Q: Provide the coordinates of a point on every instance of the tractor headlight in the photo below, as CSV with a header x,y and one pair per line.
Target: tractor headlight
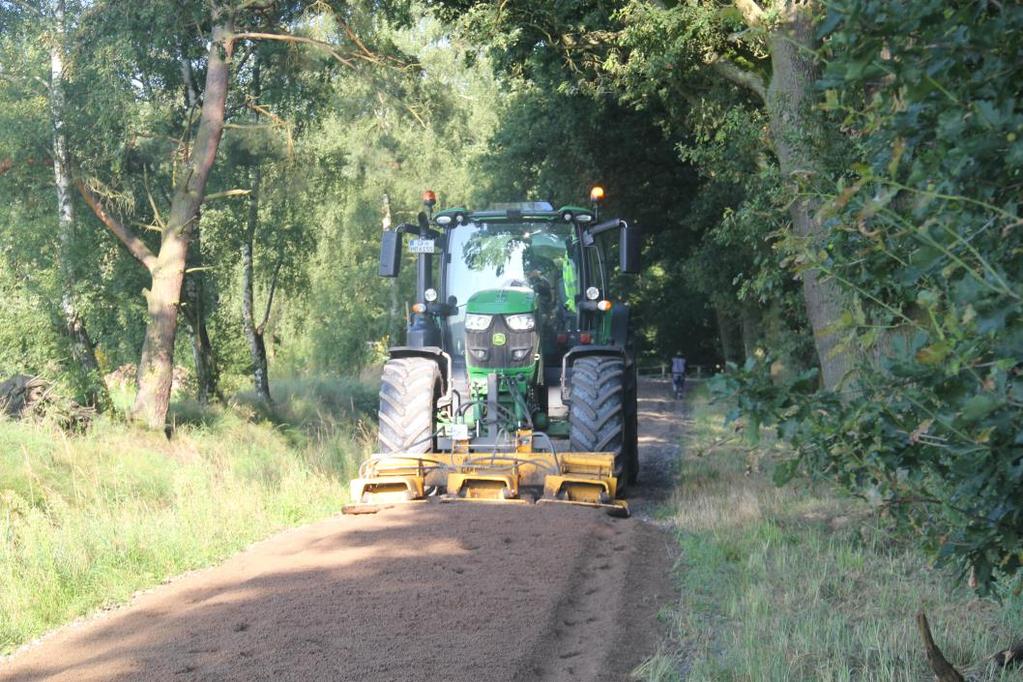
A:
x,y
521,323
592,293
520,353
480,354
477,323
430,295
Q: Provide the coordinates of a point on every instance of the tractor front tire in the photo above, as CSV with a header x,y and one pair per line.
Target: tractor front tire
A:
x,y
597,415
409,389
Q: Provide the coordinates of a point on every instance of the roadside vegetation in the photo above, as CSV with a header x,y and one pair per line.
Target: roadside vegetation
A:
x,y
801,582
87,519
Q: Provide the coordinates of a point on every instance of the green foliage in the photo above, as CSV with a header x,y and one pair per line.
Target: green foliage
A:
x,y
329,141
925,240
28,344
737,216
365,147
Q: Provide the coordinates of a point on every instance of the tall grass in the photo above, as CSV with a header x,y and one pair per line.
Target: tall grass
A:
x,y
800,583
85,520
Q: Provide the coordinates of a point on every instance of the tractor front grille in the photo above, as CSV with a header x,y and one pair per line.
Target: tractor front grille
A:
x,y
481,343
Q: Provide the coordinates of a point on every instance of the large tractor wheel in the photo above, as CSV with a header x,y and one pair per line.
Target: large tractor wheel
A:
x,y
409,389
597,415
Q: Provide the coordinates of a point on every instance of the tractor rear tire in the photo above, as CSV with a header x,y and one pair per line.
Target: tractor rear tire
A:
x,y
409,389
597,415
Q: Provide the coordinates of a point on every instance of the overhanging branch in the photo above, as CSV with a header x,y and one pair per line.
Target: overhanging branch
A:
x,y
740,76
752,13
228,193
136,247
287,38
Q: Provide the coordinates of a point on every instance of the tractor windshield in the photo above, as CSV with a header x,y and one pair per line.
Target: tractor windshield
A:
x,y
538,256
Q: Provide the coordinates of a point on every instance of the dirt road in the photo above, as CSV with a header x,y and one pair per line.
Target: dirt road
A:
x,y
452,592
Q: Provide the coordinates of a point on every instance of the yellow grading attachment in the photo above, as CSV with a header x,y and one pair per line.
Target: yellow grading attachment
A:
x,y
579,478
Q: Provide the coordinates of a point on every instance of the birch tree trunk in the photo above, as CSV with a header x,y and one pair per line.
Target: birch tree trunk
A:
x,y
82,350
168,271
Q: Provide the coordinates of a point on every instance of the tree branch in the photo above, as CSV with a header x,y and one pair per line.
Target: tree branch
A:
x,y
136,247
367,53
228,193
943,670
1011,656
283,37
191,97
270,298
752,13
738,75
29,8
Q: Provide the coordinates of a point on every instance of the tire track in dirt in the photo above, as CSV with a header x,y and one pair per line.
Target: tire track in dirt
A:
x,y
455,592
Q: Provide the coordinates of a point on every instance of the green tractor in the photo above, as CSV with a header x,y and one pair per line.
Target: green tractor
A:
x,y
517,380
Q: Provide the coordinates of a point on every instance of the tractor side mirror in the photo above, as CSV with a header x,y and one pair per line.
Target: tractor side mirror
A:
x,y
628,249
390,253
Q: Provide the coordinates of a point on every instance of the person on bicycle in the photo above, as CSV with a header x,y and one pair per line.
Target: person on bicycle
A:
x,y
678,373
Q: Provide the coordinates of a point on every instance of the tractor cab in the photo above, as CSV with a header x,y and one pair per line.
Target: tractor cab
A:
x,y
517,280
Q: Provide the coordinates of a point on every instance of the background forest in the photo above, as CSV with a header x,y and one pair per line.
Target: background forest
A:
x,y
828,192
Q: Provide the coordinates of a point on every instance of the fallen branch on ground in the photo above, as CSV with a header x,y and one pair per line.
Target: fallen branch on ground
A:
x,y
1012,656
25,397
943,670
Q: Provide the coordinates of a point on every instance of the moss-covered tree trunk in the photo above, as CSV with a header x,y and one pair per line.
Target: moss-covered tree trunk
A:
x,y
799,143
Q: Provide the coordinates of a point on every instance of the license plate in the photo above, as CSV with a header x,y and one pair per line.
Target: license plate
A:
x,y
420,246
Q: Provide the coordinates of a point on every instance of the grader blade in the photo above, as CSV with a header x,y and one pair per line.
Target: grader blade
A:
x,y
517,477
386,480
587,479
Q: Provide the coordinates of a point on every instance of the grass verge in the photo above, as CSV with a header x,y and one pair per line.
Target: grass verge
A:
x,y
801,583
86,520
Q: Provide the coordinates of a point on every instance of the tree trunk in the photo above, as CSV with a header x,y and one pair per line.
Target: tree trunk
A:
x,y
157,362
727,333
82,351
254,332
195,310
798,142
750,328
